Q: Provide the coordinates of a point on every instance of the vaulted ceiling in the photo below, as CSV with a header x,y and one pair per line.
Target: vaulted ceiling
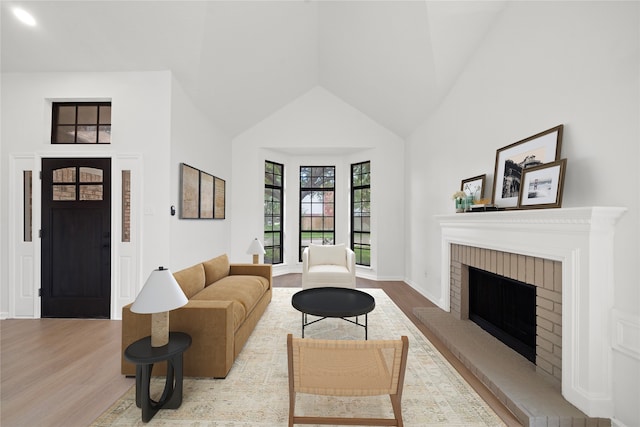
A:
x,y
240,61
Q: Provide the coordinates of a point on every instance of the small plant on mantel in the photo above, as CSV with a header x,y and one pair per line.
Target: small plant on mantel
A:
x,y
459,196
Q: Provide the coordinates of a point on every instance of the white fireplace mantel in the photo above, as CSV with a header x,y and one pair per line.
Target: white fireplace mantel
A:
x,y
582,239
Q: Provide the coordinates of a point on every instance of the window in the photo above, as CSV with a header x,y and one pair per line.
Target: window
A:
x,y
126,205
77,183
27,205
273,192
81,123
361,212
317,190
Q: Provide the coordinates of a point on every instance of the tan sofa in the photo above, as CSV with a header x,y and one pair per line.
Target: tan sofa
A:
x,y
225,303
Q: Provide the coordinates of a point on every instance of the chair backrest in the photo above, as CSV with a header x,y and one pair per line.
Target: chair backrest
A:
x,y
327,254
347,367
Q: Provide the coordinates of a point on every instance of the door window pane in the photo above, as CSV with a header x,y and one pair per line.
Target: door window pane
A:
x,y
91,192
64,192
90,174
67,175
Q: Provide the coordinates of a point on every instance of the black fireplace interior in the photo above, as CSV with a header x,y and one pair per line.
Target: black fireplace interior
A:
x,y
505,308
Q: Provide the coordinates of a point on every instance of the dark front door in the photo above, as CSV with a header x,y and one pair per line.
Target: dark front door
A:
x,y
76,238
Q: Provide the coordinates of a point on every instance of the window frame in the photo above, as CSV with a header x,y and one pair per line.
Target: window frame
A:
x,y
269,249
316,188
357,244
55,121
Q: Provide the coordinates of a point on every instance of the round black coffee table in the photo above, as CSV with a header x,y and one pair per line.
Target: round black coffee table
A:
x,y
335,303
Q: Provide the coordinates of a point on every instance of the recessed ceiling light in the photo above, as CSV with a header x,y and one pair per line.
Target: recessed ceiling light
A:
x,y
24,17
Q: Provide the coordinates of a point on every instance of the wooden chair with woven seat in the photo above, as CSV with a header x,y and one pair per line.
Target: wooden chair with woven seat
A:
x,y
347,368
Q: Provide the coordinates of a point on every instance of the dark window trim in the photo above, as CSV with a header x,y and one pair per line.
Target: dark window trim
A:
x,y
354,188
280,242
55,118
301,247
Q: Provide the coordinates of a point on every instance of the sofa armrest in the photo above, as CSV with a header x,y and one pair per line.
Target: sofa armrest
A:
x,y
211,326
262,270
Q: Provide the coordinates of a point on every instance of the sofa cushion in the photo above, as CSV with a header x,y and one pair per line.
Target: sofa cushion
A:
x,y
191,279
216,268
243,291
327,254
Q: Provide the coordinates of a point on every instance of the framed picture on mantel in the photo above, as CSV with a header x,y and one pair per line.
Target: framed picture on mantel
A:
x,y
511,160
474,186
542,186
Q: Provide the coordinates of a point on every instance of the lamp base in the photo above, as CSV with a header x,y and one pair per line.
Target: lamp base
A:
x,y
159,329
255,258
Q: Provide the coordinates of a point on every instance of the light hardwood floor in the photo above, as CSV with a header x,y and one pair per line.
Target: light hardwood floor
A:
x,y
66,372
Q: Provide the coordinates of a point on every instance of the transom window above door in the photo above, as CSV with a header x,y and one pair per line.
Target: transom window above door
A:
x,y
81,123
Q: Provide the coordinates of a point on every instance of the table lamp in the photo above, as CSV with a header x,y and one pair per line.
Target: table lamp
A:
x,y
159,294
255,248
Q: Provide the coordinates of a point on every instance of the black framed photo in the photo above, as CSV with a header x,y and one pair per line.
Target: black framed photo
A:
x,y
474,186
511,160
542,186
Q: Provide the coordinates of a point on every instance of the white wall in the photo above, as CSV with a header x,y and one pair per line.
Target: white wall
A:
x,y
196,141
320,129
140,127
543,64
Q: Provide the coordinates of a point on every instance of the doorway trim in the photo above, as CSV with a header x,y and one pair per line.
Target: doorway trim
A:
x,y
125,258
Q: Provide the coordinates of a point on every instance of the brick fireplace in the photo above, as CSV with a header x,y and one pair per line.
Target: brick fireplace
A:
x,y
544,274
568,255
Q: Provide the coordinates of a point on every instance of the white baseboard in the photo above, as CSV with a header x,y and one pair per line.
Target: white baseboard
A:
x,y
425,293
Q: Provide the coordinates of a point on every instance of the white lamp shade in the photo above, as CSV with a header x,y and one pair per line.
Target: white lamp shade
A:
x,y
255,247
160,293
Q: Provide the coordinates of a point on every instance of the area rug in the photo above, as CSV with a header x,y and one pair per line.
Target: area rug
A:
x,y
255,393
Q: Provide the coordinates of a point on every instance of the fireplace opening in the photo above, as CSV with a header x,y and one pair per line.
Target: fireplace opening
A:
x,y
505,308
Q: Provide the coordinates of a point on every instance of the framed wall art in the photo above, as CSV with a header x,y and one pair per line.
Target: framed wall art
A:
x,y
189,192
202,195
511,160
219,197
542,186
474,186
206,195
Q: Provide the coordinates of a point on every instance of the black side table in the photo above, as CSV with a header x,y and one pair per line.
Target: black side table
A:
x,y
144,356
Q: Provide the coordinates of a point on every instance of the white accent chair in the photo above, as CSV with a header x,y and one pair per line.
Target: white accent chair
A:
x,y
328,265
